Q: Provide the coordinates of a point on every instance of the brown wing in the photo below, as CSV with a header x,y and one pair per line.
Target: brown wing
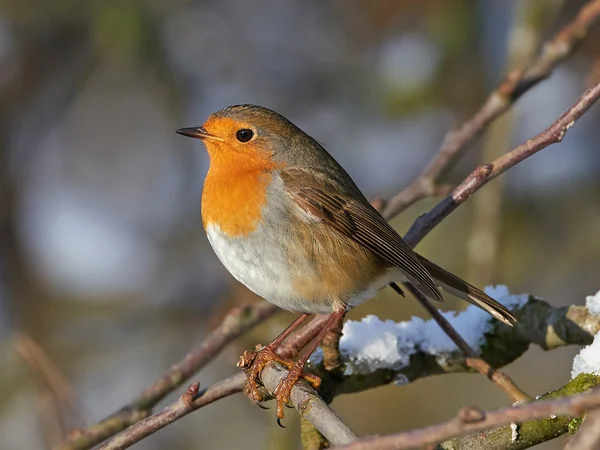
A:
x,y
359,221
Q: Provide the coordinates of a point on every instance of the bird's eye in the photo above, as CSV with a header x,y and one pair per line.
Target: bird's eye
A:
x,y
244,135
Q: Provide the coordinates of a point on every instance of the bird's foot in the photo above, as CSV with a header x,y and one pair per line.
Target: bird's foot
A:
x,y
254,361
284,388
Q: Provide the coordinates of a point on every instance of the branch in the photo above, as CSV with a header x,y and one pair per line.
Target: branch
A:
x,y
145,426
538,323
500,379
312,407
471,420
236,322
311,438
515,84
588,437
554,134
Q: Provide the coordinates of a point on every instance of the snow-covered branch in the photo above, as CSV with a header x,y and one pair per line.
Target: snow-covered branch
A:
x,y
377,352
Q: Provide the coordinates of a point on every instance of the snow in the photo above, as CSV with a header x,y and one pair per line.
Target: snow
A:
x,y
514,435
592,303
588,359
372,344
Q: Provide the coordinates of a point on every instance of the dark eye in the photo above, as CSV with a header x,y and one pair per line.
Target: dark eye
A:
x,y
244,135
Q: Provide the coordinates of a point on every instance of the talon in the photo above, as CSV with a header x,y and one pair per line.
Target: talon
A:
x,y
261,406
289,406
279,423
253,363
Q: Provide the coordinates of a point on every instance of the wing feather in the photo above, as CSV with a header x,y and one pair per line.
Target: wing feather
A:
x,y
359,221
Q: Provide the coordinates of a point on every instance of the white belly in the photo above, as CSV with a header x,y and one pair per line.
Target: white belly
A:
x,y
265,271
262,269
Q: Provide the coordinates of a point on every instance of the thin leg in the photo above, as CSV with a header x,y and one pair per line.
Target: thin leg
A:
x,y
285,333
317,340
284,389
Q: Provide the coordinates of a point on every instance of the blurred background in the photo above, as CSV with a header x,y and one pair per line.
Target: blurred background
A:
x,y
106,276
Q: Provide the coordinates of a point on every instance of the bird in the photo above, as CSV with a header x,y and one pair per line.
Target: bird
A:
x,y
289,223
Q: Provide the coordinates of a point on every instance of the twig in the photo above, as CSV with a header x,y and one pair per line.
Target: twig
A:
x,y
539,323
142,427
57,392
524,435
554,134
515,84
236,322
470,420
311,406
588,436
503,381
311,438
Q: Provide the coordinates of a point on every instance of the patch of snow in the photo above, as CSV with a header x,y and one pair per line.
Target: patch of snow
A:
x,y
588,359
372,344
514,436
592,303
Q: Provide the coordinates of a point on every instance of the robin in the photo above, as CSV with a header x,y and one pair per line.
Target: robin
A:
x,y
289,223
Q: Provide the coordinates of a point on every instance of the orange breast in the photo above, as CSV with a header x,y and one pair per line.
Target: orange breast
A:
x,y
235,191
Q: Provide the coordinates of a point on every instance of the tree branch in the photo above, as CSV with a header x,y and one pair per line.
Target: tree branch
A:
x,y
514,85
471,420
144,426
312,407
500,379
236,322
588,437
554,134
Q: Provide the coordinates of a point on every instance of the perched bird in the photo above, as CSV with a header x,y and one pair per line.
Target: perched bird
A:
x,y
289,223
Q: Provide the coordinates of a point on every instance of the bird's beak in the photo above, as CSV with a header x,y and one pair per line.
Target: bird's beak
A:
x,y
198,133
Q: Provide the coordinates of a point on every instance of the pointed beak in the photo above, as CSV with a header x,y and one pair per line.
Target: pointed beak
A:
x,y
196,132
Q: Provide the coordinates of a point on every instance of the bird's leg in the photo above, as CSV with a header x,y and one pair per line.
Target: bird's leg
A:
x,y
296,371
254,361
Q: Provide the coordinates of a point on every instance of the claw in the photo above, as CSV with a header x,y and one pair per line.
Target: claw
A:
x,y
253,363
261,406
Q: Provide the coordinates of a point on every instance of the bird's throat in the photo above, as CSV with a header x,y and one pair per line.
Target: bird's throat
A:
x,y
235,192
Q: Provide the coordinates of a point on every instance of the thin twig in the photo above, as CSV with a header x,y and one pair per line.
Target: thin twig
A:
x,y
515,84
142,427
554,134
57,397
470,420
236,322
588,436
312,407
310,436
503,381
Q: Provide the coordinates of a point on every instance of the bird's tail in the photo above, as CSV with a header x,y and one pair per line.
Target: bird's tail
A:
x,y
460,288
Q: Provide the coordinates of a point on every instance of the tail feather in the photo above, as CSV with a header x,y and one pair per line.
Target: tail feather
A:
x,y
460,288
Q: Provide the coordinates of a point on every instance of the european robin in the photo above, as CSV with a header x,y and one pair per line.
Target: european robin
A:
x,y
288,222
